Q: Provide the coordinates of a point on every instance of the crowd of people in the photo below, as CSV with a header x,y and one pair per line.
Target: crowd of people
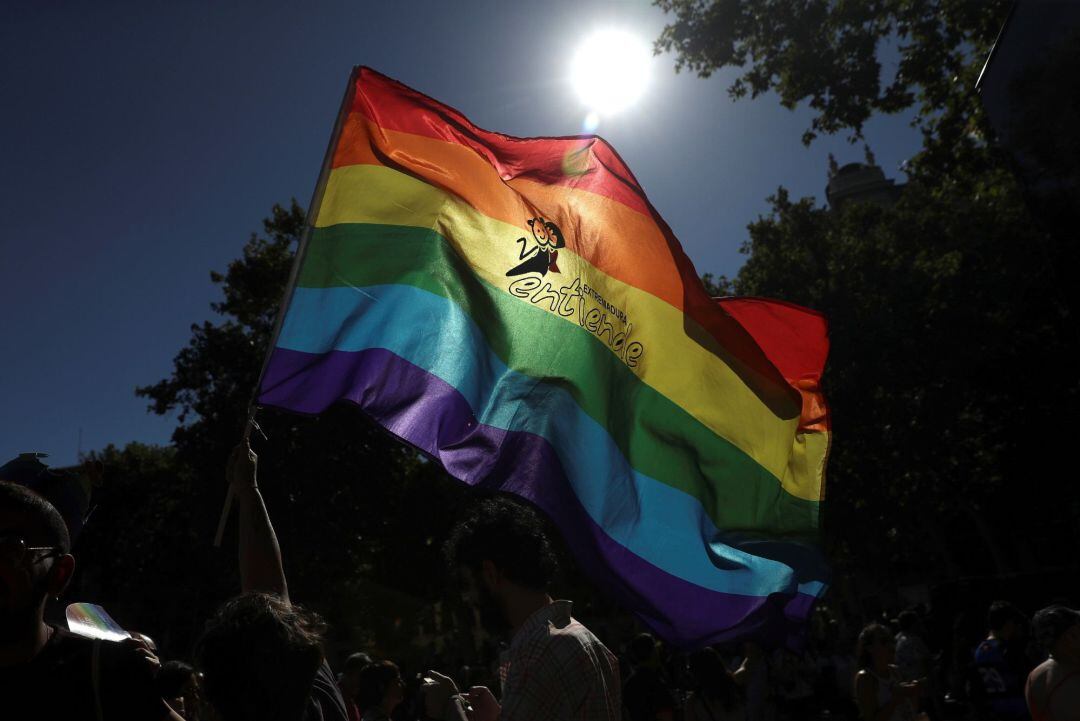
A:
x,y
263,657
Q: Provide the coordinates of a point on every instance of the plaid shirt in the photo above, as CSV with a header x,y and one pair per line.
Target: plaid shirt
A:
x,y
556,670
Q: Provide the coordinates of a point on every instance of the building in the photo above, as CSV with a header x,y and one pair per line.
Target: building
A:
x,y
863,183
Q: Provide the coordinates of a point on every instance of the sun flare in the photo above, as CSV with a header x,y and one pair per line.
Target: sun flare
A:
x,y
610,71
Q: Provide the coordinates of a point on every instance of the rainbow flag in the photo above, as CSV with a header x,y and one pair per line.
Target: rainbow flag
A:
x,y
517,310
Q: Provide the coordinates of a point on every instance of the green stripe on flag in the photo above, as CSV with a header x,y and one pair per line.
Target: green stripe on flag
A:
x,y
657,436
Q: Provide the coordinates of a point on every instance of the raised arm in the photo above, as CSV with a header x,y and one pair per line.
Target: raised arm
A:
x,y
260,555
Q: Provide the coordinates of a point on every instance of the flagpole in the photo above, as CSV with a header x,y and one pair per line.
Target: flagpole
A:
x,y
227,508
309,225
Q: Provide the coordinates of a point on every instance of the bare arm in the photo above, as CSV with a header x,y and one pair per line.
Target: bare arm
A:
x,y
260,555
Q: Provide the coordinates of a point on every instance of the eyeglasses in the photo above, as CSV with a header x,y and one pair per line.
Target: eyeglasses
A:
x,y
14,549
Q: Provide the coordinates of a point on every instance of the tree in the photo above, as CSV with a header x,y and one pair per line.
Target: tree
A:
x,y
952,325
359,514
142,554
829,54
716,286
946,338
215,374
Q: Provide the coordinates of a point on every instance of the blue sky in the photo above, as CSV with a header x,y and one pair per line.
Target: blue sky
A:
x,y
142,143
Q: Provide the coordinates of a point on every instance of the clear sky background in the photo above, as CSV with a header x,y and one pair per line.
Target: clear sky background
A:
x,y
142,142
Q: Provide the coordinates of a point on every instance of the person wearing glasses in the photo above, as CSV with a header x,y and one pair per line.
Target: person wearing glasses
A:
x,y
45,671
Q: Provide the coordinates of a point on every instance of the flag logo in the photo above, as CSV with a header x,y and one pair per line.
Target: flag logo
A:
x,y
539,255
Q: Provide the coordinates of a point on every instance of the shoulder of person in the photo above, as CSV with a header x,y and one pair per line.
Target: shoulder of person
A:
x,y
66,643
1044,668
65,658
584,635
325,702
564,643
1036,679
324,676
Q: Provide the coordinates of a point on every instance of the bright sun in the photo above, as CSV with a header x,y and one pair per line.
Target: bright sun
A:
x,y
610,71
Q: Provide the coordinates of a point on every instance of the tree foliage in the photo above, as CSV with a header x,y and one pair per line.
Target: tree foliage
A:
x,y
144,554
360,515
830,54
946,338
952,317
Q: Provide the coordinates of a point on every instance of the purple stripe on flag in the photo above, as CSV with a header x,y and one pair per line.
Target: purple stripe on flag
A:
x,y
433,416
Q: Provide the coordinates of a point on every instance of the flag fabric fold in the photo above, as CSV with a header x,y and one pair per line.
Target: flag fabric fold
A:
x,y
517,310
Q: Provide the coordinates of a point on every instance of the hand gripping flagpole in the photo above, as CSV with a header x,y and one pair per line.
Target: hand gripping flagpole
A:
x,y
251,425
290,286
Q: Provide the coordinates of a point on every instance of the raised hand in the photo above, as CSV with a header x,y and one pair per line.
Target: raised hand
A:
x,y
242,466
484,705
437,690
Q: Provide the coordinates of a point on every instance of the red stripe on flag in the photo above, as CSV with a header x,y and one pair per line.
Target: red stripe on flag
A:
x,y
552,161
394,106
796,341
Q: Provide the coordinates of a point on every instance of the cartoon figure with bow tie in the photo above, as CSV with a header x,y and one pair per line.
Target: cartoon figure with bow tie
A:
x,y
541,255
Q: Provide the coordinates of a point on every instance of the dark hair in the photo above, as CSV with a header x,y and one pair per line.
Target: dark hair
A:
x,y
174,678
642,647
48,523
375,679
711,679
509,534
258,655
907,620
356,661
870,635
1053,622
1000,613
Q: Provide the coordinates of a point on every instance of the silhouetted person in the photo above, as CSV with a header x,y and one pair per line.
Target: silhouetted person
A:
x,y
912,654
178,686
715,695
261,656
45,671
880,693
792,680
752,675
555,669
646,695
349,683
1053,688
1001,665
381,690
